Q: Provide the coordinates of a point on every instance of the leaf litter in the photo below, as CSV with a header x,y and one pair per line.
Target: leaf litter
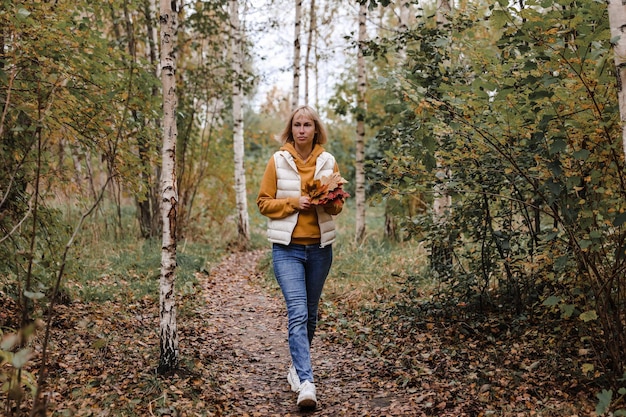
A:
x,y
234,359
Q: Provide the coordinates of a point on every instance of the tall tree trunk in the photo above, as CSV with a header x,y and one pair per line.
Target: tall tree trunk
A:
x,y
443,9
169,194
295,98
360,127
316,71
441,252
391,215
148,203
617,22
307,59
405,15
240,173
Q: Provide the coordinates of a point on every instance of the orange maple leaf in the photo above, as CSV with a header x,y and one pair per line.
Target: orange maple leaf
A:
x,y
326,189
316,191
333,181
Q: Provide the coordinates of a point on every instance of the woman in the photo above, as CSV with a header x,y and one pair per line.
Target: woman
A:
x,y
302,234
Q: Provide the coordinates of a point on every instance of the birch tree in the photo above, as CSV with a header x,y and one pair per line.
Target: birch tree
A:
x,y
169,194
404,16
360,126
148,203
295,98
617,21
238,145
441,256
307,57
442,201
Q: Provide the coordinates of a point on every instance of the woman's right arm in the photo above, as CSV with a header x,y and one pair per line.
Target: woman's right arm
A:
x,y
269,205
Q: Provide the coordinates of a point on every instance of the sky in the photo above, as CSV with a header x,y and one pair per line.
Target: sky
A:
x,y
270,28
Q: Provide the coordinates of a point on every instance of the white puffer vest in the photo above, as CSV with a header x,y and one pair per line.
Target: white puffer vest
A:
x,y
289,185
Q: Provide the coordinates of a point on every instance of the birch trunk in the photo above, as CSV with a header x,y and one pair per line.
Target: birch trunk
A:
x,y
295,99
405,15
391,216
307,59
360,127
169,195
617,22
148,203
441,252
238,145
442,202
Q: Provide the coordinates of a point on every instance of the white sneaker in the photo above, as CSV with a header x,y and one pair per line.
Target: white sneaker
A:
x,y
293,379
306,398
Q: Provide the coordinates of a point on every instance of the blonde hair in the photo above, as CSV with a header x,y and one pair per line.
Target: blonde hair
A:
x,y
320,131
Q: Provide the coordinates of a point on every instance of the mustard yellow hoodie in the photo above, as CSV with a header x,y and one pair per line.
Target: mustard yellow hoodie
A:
x,y
307,230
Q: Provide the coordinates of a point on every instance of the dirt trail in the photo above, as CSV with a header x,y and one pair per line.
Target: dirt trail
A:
x,y
248,331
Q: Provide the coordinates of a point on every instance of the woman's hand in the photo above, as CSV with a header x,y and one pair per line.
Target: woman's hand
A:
x,y
304,203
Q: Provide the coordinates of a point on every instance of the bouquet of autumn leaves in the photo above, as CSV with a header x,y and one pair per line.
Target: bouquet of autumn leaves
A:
x,y
327,190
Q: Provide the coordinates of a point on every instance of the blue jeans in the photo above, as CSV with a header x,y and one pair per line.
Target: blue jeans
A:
x,y
301,272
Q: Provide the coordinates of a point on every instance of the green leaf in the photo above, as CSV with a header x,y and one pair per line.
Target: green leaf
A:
x,y
550,236
620,219
567,310
558,145
582,154
554,188
555,167
499,18
595,234
23,13
604,400
589,315
551,301
538,94
561,262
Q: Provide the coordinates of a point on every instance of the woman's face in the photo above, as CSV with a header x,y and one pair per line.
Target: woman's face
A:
x,y
303,131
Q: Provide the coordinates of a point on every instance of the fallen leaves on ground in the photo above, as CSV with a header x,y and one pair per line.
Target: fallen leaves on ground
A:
x,y
234,359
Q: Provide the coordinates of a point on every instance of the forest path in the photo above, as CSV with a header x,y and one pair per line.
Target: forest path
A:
x,y
248,333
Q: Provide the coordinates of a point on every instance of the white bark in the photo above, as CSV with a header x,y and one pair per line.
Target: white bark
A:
x,y
309,46
403,23
238,145
169,195
442,203
617,22
295,98
360,127
405,15
443,9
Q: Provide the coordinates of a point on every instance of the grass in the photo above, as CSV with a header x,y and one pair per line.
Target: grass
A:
x,y
377,266
125,271
106,265
364,273
126,268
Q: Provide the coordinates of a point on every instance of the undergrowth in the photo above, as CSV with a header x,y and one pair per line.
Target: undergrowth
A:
x,y
366,273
